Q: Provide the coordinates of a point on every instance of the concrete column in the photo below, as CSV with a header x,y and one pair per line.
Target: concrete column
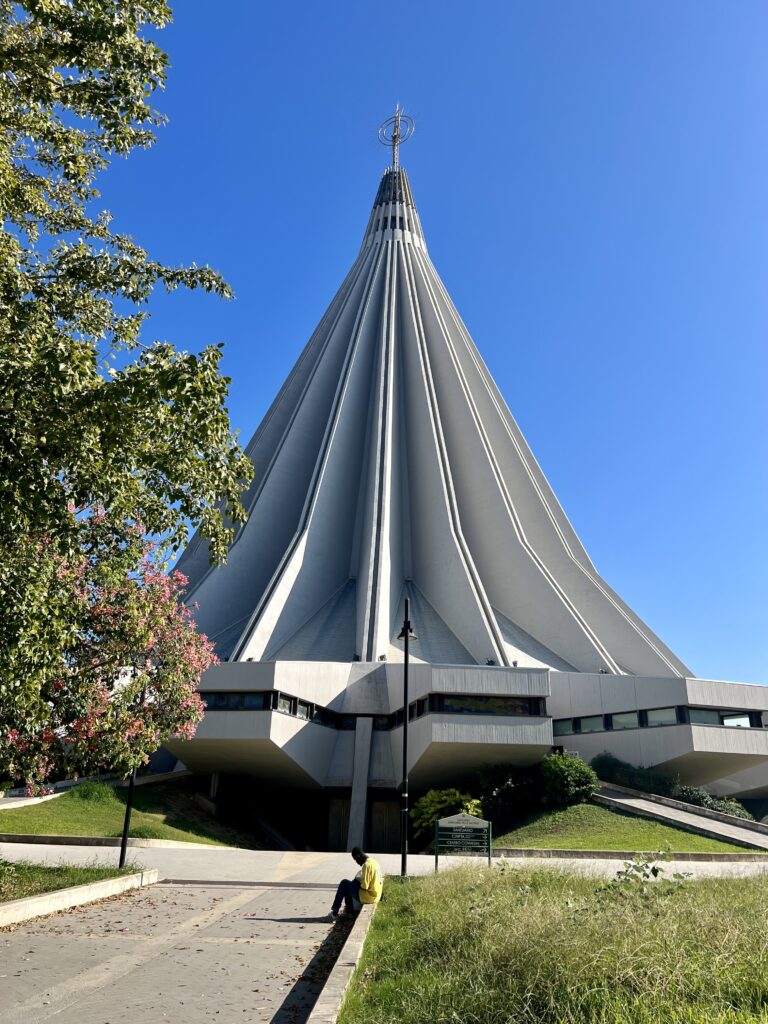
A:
x,y
361,765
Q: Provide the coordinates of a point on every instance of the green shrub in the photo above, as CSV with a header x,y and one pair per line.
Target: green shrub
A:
x,y
700,798
510,793
440,803
567,780
612,769
94,792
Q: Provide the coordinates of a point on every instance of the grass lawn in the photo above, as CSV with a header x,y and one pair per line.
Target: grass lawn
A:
x,y
17,881
538,947
590,827
163,810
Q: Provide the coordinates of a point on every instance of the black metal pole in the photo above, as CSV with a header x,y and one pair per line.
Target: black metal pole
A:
x,y
404,824
127,821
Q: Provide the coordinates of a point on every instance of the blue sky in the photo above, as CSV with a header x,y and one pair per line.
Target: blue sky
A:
x,y
592,181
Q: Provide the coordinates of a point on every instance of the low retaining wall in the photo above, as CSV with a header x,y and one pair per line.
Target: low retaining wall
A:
x,y
680,805
328,1006
140,844
62,899
686,826
627,855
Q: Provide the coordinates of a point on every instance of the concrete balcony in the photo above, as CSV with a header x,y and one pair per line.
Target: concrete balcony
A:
x,y
266,744
698,754
445,749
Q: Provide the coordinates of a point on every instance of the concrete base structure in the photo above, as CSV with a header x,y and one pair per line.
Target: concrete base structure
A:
x,y
389,467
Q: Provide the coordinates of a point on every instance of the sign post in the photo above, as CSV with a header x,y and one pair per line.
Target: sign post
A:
x,y
463,834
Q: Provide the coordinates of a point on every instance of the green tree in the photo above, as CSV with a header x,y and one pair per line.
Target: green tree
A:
x,y
92,416
440,803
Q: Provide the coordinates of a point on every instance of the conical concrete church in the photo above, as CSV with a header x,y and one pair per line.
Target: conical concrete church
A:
x,y
389,466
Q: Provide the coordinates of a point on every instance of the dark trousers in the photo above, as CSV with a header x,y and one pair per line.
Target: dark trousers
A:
x,y
348,890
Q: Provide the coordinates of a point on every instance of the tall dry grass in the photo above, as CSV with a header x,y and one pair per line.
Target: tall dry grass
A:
x,y
475,946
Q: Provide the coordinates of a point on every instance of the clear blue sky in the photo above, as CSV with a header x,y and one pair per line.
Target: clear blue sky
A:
x,y
592,179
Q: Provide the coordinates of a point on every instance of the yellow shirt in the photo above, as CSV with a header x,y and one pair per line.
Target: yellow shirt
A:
x,y
371,882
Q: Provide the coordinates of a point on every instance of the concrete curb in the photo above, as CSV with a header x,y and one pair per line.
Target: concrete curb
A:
x,y
686,826
62,899
140,844
328,1006
727,858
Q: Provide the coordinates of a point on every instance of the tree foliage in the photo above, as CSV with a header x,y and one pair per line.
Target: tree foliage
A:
x,y
567,780
131,661
152,438
93,417
440,803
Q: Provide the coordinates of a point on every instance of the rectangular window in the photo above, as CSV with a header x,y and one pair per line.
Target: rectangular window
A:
x,y
625,720
592,723
471,704
421,707
562,726
703,716
737,721
253,701
284,703
662,716
303,710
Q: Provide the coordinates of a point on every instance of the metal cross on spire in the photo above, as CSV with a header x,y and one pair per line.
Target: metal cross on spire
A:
x,y
395,131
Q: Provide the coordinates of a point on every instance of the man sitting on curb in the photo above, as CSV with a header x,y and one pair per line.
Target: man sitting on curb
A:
x,y
365,888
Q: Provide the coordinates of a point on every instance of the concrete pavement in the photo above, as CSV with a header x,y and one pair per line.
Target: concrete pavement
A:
x,y
173,952
221,865
185,951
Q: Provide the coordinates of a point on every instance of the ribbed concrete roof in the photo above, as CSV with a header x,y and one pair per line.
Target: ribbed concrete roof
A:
x,y
388,462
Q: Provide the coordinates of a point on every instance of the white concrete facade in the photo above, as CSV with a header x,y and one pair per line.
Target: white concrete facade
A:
x,y
389,466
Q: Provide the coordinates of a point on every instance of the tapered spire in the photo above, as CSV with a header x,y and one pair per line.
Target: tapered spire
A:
x,y
389,466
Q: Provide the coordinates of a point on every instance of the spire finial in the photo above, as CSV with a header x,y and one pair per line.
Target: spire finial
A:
x,y
395,131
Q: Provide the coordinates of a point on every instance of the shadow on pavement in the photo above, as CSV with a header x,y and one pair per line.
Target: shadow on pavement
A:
x,y
290,920
298,1004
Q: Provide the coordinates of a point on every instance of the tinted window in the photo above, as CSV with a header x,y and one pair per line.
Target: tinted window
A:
x,y
253,701
593,723
662,716
625,720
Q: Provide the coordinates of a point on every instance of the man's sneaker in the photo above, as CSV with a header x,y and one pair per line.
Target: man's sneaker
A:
x,y
333,916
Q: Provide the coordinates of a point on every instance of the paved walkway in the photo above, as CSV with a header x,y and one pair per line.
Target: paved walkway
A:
x,y
182,953
184,950
228,866
721,829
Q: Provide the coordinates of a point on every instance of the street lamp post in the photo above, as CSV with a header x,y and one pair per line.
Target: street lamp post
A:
x,y
406,634
127,819
129,801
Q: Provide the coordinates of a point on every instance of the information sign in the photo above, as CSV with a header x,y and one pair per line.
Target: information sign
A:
x,y
463,834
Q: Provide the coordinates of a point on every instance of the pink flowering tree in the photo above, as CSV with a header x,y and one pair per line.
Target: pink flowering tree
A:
x,y
128,665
